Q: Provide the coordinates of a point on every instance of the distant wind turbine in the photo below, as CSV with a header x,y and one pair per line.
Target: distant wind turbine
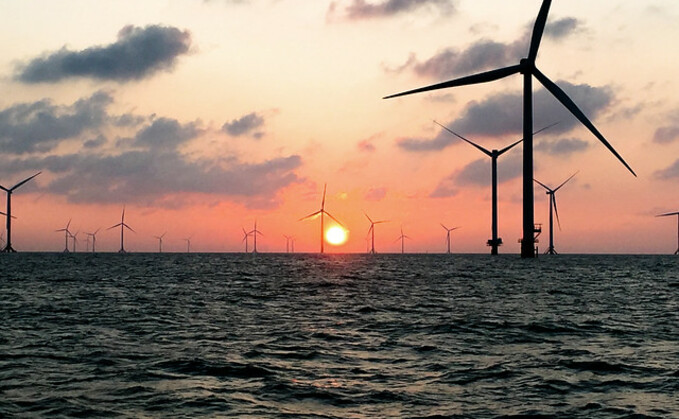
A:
x,y
552,211
245,239
322,212
495,242
254,234
188,244
67,233
160,242
75,239
402,237
448,230
371,232
288,239
667,215
94,239
122,226
527,67
8,216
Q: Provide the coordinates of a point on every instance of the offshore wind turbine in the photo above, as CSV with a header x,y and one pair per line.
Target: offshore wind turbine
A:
x,y
94,239
254,234
188,244
448,230
402,237
667,215
8,216
67,233
75,239
245,239
122,226
371,232
529,70
322,212
495,242
160,242
288,239
553,210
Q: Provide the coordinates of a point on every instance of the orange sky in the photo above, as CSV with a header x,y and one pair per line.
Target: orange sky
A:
x,y
201,117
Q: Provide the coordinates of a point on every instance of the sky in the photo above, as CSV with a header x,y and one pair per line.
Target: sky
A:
x,y
200,117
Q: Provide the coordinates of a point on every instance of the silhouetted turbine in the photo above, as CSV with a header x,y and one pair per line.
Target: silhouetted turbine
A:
x,y
67,233
402,237
122,226
188,244
75,239
371,232
495,241
245,239
8,216
448,230
667,215
527,67
94,239
322,212
254,234
553,210
288,239
160,242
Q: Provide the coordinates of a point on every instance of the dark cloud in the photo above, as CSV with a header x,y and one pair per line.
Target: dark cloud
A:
x,y
40,126
138,53
419,144
561,147
446,188
477,173
561,28
671,172
670,132
361,9
244,125
95,142
165,133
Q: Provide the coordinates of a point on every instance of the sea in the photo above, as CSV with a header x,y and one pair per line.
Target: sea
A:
x,y
338,336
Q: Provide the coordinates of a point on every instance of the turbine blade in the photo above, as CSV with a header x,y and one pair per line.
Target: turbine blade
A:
x,y
333,218
23,181
313,215
325,187
571,106
538,30
566,181
556,211
446,228
371,221
117,225
483,150
69,223
128,227
543,185
381,221
464,81
455,228
509,147
4,189
667,214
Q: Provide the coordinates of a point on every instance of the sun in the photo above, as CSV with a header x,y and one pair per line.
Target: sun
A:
x,y
336,235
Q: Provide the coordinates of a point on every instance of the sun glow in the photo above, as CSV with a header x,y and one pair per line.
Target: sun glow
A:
x,y
336,235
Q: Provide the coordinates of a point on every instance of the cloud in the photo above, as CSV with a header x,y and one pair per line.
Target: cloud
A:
x,y
376,194
138,53
668,133
671,172
561,147
445,189
40,126
437,143
96,142
361,9
477,174
166,133
561,28
244,125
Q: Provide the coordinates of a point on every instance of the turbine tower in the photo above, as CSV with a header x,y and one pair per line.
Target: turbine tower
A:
x,y
553,211
528,68
94,239
495,242
448,230
188,244
322,212
67,233
122,226
402,237
254,234
371,232
160,242
667,215
8,216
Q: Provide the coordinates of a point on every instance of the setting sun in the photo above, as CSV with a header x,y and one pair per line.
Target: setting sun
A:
x,y
336,235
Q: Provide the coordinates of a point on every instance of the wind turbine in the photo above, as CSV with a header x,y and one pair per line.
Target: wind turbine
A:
x,y
188,244
160,242
495,241
402,237
94,239
67,233
371,232
75,239
288,239
8,246
122,226
667,215
322,212
254,234
245,239
448,230
527,67
553,210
